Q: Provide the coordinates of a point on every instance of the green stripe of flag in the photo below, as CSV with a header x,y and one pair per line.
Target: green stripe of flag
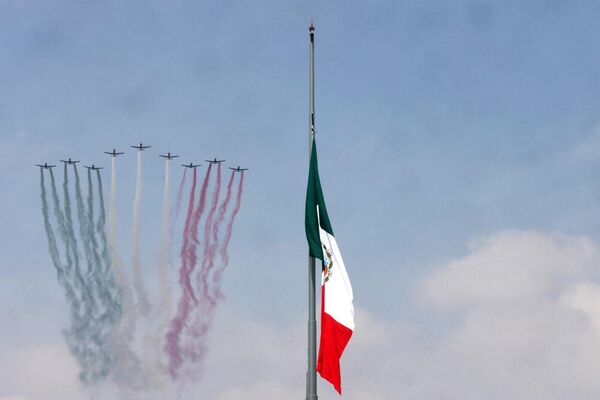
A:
x,y
314,198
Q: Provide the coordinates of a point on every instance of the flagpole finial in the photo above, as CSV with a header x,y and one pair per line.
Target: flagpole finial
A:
x,y
311,28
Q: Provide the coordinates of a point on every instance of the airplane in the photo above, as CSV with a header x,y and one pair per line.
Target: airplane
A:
x,y
238,169
69,161
168,156
215,161
141,147
113,153
190,165
93,167
45,165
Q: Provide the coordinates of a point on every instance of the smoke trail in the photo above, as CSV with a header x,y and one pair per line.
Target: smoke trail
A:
x,y
192,259
223,253
209,248
77,348
172,339
163,267
128,367
113,291
99,355
84,330
138,282
96,264
103,275
79,282
128,321
219,220
177,207
196,220
52,247
101,225
60,218
81,214
196,347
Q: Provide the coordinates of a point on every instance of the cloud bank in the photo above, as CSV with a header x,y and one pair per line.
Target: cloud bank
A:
x,y
517,317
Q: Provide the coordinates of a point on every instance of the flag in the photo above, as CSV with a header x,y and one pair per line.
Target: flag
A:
x,y
337,311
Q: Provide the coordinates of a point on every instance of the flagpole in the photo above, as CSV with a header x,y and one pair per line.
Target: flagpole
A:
x,y
311,374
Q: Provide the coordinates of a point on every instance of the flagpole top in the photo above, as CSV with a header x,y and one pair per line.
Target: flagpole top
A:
x,y
311,28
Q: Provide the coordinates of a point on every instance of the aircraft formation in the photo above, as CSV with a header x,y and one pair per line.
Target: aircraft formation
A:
x,y
107,296
139,147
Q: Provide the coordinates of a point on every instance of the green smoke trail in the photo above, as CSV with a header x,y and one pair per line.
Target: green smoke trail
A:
x,y
88,307
100,354
96,267
113,290
52,247
83,330
78,345
60,218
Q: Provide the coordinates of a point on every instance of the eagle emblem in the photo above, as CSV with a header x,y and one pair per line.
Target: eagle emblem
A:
x,y
327,263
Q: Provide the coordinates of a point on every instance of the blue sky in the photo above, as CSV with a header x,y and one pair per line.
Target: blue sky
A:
x,y
439,124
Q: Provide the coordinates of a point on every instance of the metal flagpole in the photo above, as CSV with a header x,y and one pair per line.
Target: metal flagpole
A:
x,y
311,374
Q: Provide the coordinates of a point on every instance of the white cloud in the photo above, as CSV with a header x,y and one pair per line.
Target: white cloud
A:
x,y
39,372
527,326
511,269
518,317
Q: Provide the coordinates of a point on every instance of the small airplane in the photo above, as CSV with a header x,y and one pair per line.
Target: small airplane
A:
x,y
113,153
168,156
45,165
93,167
69,161
238,169
190,165
141,147
215,161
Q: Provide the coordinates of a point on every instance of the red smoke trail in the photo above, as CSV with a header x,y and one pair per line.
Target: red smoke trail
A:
x,y
189,259
172,345
218,275
196,220
196,348
209,248
198,327
219,220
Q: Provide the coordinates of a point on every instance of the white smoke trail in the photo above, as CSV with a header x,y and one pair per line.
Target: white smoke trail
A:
x,y
128,365
138,282
117,261
163,273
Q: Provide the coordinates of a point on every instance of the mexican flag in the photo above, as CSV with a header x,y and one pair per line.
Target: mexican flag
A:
x,y
337,311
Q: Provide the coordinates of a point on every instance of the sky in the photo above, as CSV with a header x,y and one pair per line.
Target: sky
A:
x,y
459,145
